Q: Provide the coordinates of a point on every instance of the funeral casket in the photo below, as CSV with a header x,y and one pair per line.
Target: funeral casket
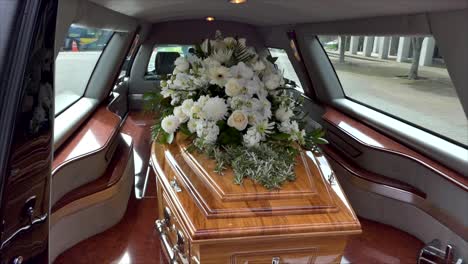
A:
x,y
205,218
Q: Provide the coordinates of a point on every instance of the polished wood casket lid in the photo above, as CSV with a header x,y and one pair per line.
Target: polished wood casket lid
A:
x,y
212,206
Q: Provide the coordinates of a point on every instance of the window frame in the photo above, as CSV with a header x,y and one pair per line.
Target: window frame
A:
x,y
460,144
89,79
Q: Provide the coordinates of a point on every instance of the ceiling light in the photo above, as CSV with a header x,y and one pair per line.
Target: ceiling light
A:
x,y
210,18
237,1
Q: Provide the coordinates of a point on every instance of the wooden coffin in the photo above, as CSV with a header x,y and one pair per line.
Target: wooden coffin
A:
x,y
205,218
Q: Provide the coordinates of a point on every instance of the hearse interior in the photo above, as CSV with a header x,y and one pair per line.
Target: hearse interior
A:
x,y
84,178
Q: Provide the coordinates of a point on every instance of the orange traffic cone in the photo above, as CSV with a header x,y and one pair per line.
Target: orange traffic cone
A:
x,y
74,46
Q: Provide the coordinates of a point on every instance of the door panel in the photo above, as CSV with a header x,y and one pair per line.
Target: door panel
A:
x,y
390,183
25,190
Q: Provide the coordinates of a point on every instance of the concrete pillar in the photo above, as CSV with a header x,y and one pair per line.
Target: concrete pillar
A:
x,y
375,48
403,49
383,47
354,44
427,51
368,46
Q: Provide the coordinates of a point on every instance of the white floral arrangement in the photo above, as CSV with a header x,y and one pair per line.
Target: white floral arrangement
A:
x,y
236,107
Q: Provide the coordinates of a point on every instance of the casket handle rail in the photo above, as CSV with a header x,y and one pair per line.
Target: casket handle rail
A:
x,y
173,252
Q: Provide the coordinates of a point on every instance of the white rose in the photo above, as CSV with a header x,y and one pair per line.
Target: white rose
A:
x,y
170,124
179,113
283,114
238,120
181,64
187,107
233,87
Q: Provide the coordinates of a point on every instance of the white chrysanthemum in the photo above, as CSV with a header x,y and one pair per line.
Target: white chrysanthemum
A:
x,y
222,55
219,75
283,114
179,113
187,106
264,128
170,124
252,137
238,120
233,87
272,81
181,64
208,131
192,125
215,109
242,71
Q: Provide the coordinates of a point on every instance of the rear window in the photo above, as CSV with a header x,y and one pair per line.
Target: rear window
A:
x,y
169,53
403,76
81,50
285,65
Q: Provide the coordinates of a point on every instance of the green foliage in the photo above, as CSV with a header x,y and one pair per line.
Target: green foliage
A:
x,y
241,54
272,59
314,138
268,164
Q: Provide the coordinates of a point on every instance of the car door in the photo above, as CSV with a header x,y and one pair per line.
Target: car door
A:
x,y
27,114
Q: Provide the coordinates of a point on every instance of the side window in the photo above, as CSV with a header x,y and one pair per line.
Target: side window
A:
x,y
403,76
285,65
75,63
162,58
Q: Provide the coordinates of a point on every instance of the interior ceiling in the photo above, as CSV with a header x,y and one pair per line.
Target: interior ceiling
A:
x,y
275,12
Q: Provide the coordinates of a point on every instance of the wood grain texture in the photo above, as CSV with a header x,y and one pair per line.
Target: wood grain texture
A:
x,y
370,138
94,135
193,200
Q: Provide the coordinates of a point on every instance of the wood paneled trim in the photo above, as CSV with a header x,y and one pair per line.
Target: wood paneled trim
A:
x,y
370,176
390,188
92,137
370,138
112,176
94,192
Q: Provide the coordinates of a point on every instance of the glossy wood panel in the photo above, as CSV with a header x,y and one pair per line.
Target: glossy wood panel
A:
x,y
370,138
219,197
94,135
199,226
390,188
111,176
370,176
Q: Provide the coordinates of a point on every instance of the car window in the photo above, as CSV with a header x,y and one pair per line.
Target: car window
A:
x,y
75,63
170,50
403,76
285,65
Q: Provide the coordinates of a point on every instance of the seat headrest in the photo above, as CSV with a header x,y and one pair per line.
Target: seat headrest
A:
x,y
164,62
